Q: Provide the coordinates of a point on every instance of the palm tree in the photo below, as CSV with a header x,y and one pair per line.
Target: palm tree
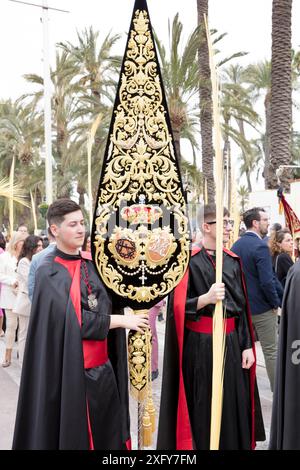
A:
x,y
259,77
193,183
21,134
97,78
64,103
237,109
20,129
243,194
250,162
97,65
281,90
181,81
205,93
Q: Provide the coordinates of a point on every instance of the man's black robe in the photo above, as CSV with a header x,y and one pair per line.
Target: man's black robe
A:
x,y
185,427
61,404
285,425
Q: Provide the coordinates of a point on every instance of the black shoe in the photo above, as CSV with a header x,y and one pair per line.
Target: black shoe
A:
x,y
154,374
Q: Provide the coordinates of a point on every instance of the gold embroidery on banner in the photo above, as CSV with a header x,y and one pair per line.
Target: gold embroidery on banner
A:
x,y
141,160
137,361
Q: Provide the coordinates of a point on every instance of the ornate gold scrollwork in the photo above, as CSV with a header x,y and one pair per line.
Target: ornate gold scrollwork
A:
x,y
141,230
141,161
137,359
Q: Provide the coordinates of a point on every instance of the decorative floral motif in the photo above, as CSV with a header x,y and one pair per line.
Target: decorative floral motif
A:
x,y
141,185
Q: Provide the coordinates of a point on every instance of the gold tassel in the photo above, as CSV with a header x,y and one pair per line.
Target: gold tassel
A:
x,y
148,422
146,430
281,209
150,408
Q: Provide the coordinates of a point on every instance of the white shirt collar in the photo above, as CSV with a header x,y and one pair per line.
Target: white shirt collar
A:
x,y
251,231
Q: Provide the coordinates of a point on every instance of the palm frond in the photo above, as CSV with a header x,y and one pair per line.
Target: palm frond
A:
x,y
18,195
232,56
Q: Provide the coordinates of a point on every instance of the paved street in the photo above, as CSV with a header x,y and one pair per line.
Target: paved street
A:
x,y
10,379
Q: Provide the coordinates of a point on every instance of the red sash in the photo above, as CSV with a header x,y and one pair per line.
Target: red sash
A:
x,y
205,325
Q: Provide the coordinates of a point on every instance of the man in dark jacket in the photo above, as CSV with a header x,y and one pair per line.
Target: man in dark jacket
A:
x,y
264,294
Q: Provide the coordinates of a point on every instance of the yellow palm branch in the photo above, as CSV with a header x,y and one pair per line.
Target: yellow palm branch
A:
x,y
16,193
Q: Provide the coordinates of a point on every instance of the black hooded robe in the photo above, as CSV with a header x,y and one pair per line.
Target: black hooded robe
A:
x,y
285,423
63,404
184,421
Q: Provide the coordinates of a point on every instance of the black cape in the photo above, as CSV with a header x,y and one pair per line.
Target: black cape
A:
x,y
56,390
241,419
285,424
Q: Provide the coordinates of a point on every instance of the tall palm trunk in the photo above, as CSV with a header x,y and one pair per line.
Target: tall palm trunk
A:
x,y
95,86
178,119
63,182
266,143
81,192
281,90
240,123
61,142
176,135
205,92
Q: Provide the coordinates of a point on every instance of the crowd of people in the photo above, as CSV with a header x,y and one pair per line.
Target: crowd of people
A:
x,y
21,253
82,331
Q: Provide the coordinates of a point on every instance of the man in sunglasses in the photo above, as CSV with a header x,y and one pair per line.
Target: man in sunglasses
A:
x,y
185,415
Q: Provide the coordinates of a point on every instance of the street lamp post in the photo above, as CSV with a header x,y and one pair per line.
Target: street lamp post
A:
x,y
47,107
47,96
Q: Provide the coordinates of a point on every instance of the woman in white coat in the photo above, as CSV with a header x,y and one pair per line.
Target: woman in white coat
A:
x,y
32,245
8,294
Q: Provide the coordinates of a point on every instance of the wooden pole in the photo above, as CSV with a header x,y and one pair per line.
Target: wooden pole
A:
x,y
33,212
218,321
11,196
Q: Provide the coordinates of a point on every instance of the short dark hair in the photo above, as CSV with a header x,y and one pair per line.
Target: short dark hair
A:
x,y
59,208
209,211
252,214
